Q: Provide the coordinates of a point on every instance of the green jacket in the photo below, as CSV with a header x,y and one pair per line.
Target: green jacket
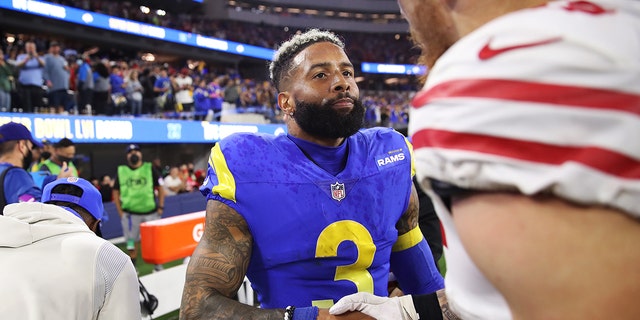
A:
x,y
6,71
137,193
54,168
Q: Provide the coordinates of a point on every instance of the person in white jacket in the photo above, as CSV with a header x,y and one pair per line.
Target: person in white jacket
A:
x,y
54,266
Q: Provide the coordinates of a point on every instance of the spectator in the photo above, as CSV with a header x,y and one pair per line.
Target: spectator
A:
x,y
202,100
173,183
160,170
184,86
106,188
134,93
147,79
217,98
84,276
56,76
6,83
134,196
231,95
84,82
118,91
30,79
162,88
63,153
188,179
101,88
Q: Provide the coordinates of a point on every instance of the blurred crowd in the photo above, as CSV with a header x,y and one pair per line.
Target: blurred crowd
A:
x,y
362,47
39,75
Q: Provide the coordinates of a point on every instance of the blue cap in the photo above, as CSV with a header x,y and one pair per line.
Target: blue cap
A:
x,y
132,147
91,200
12,131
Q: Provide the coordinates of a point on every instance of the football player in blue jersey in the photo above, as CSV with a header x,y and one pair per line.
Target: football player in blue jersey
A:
x,y
327,210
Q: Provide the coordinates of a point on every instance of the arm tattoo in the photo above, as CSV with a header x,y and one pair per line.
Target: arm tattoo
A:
x,y
217,269
447,314
409,218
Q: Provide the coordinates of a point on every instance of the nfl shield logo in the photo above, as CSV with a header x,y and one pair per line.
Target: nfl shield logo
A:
x,y
337,191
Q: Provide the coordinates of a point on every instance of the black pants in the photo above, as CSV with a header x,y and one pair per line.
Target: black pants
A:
x,y
100,102
30,98
85,97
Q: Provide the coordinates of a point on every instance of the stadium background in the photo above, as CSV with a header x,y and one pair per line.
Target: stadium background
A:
x,y
176,38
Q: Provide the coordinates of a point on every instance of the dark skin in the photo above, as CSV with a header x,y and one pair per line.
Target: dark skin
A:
x,y
220,261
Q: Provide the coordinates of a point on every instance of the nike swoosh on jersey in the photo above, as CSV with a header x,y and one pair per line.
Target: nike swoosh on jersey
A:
x,y
487,52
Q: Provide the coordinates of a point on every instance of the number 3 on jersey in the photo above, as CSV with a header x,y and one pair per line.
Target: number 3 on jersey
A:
x,y
327,246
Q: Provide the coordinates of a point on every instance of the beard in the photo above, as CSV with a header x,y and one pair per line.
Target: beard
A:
x,y
323,121
433,41
26,160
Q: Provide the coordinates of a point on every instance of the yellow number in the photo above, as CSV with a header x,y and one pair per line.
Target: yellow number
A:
x,y
327,246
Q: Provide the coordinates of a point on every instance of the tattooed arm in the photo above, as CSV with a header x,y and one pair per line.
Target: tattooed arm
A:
x,y
217,268
409,220
411,259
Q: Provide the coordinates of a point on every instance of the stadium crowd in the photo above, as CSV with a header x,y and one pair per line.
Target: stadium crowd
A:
x,y
101,83
362,47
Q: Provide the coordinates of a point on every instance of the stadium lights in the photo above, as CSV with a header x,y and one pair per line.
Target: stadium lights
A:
x,y
10,39
149,57
145,9
391,81
161,12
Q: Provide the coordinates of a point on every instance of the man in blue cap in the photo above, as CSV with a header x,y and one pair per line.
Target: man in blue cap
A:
x,y
16,184
55,267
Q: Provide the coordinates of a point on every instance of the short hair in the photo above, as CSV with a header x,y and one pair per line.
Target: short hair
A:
x,y
7,146
281,63
63,143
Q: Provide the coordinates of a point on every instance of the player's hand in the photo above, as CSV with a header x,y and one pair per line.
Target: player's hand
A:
x,y
382,308
323,314
65,172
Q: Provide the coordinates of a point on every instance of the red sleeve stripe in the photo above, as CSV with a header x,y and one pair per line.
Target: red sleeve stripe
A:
x,y
597,158
532,92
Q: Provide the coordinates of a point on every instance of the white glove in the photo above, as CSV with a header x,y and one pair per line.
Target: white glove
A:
x,y
381,308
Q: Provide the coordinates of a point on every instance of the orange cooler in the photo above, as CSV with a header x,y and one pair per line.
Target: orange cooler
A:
x,y
171,238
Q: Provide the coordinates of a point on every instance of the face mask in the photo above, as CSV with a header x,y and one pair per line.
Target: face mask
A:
x,y
45,155
134,159
26,161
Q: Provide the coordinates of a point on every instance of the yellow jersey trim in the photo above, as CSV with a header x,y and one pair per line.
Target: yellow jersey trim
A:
x,y
413,164
408,240
226,186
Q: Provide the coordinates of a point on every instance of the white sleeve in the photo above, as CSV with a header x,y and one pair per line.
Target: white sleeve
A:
x,y
121,295
539,107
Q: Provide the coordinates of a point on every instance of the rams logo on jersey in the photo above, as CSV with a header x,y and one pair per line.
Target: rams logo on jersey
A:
x,y
390,158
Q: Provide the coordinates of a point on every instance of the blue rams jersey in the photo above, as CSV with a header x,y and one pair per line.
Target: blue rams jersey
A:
x,y
316,237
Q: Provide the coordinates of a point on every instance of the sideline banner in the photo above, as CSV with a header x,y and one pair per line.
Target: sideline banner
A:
x,y
96,129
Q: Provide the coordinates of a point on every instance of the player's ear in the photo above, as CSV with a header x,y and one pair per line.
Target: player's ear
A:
x,y
285,102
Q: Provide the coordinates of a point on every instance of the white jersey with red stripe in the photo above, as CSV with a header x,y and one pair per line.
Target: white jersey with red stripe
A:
x,y
543,100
